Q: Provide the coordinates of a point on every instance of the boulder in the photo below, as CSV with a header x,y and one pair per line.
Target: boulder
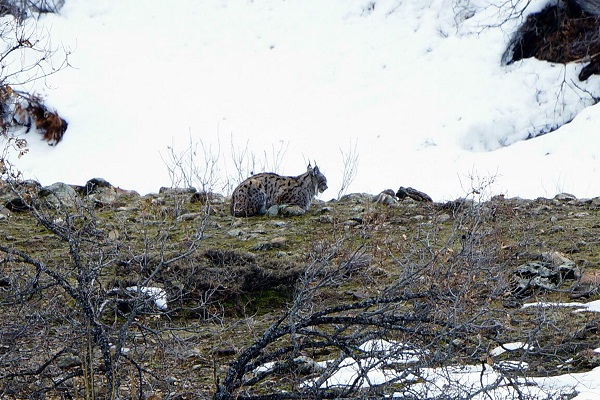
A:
x,y
387,197
94,185
549,273
414,194
59,194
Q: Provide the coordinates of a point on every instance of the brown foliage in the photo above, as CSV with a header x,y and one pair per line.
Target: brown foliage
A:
x,y
17,108
47,122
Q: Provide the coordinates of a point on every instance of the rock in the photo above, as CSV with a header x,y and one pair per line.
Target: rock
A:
x,y
235,232
565,197
176,191
207,198
103,196
414,194
17,205
555,258
4,213
60,194
549,274
21,202
387,197
360,261
357,218
69,361
285,210
275,243
325,219
581,214
301,365
442,218
224,351
101,192
306,365
292,211
190,216
356,198
94,185
587,359
351,223
273,211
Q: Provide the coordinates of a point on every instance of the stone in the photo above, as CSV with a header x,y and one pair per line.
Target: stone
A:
x,y
17,205
190,216
273,211
549,273
275,243
103,196
356,198
587,359
94,184
565,197
443,218
387,197
414,194
292,211
69,361
235,232
325,219
176,191
60,194
207,198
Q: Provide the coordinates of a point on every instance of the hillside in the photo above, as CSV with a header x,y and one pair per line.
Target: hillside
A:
x,y
269,87
447,280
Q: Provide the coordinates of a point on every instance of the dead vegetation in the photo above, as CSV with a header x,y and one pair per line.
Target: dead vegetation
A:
x,y
290,291
561,33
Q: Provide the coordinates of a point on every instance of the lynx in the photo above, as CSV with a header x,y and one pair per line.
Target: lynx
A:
x,y
256,194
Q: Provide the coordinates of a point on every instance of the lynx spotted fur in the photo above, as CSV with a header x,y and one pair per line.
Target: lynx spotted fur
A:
x,y
256,194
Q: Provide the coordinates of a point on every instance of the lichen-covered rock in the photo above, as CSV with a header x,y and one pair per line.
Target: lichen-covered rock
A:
x,y
59,194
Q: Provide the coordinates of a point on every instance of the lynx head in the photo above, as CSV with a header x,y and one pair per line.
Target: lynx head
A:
x,y
319,178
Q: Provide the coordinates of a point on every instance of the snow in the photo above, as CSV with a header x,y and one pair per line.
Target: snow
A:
x,y
465,381
157,294
382,357
509,347
593,306
416,85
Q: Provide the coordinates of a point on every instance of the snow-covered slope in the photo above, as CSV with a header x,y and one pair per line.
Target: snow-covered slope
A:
x,y
416,85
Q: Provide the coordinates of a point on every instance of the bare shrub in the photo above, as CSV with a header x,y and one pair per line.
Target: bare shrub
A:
x,y
94,306
27,55
441,306
21,9
247,163
197,166
350,168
